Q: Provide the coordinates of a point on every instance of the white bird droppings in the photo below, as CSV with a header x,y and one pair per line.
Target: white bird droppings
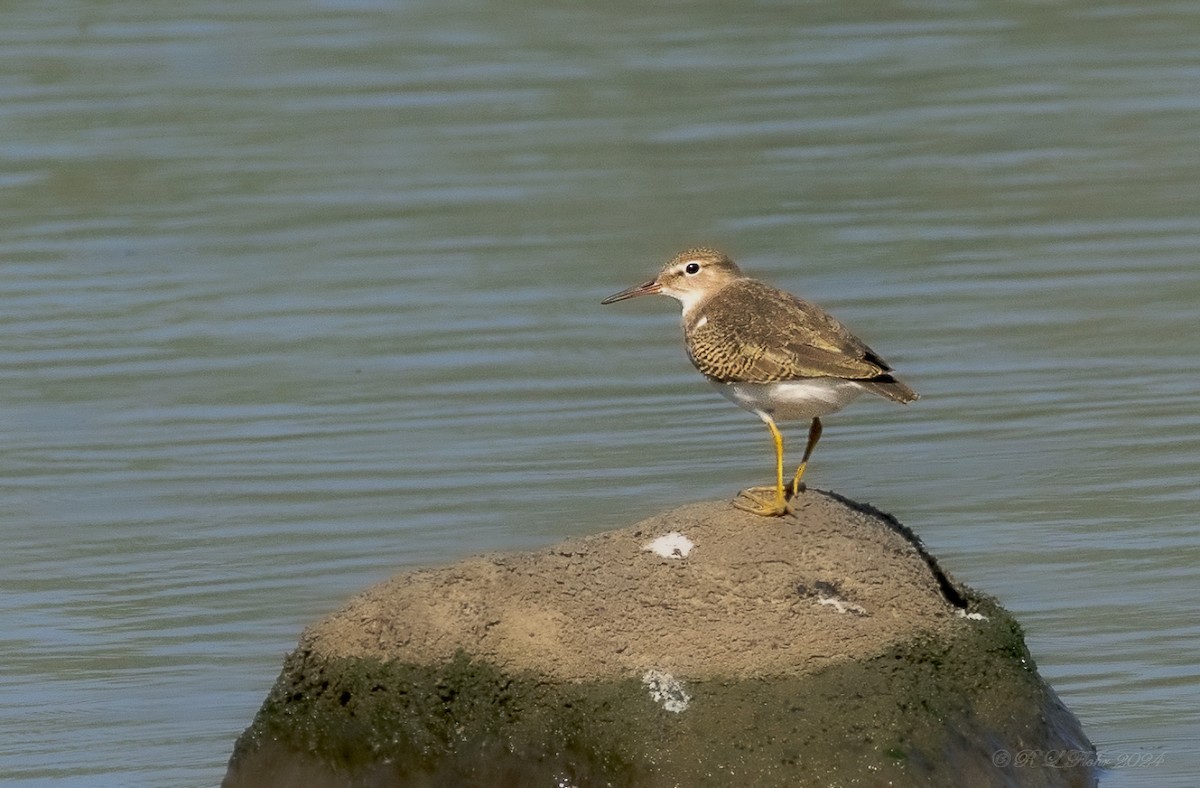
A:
x,y
671,545
667,690
841,605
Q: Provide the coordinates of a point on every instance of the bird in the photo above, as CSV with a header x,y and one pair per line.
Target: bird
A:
x,y
770,352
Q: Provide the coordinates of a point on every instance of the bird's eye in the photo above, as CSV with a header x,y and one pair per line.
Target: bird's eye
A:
x,y
691,268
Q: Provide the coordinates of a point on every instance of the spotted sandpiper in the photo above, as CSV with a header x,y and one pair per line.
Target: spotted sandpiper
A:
x,y
770,352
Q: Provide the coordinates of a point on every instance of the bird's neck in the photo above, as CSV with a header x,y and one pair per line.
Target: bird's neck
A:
x,y
693,302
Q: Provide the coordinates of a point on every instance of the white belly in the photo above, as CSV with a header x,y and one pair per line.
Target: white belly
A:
x,y
793,399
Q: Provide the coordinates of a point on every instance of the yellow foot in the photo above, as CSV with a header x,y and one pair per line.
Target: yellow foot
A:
x,y
766,501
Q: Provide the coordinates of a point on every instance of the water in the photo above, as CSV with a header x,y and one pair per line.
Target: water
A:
x,y
298,296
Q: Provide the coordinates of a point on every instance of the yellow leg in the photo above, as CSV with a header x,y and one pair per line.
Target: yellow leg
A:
x,y
767,501
814,435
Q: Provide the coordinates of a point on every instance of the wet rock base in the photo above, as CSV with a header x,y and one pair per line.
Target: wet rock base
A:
x,y
703,647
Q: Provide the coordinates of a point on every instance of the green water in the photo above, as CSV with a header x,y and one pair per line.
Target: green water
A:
x,y
299,295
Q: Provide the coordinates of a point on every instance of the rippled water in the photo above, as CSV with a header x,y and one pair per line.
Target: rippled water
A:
x,y
296,296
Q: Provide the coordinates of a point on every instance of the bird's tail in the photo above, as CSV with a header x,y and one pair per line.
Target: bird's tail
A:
x,y
891,387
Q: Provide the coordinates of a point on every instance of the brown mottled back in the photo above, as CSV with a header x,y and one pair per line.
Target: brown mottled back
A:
x,y
755,333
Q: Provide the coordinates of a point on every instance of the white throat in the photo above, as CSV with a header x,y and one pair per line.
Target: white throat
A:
x,y
689,299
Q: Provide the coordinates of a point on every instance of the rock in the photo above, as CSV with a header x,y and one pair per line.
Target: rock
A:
x,y
704,646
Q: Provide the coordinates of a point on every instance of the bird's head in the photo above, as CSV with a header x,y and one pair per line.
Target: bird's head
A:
x,y
690,277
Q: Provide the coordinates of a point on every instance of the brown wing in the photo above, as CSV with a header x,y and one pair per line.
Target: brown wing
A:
x,y
755,333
